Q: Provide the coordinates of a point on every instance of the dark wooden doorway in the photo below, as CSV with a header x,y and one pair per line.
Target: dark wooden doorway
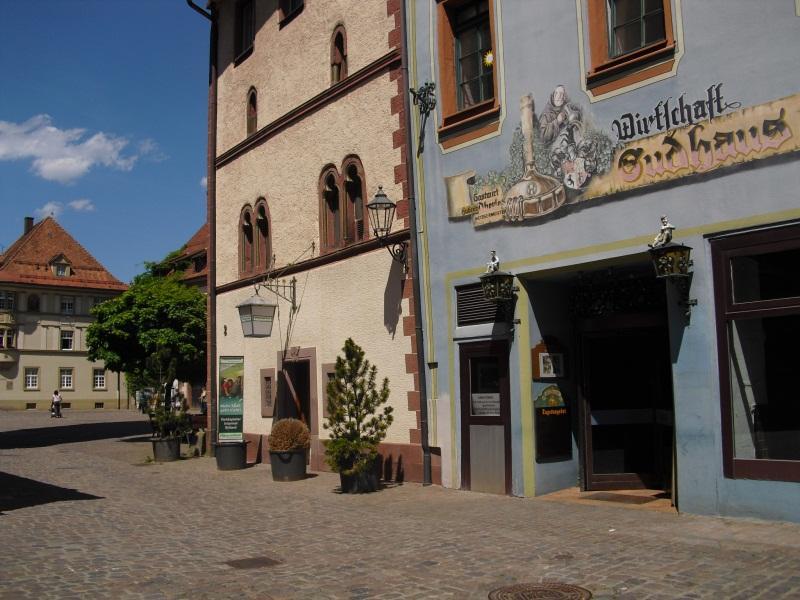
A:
x,y
627,406
295,397
485,417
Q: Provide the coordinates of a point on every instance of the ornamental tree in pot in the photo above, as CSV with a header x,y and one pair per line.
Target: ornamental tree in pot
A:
x,y
169,426
288,444
356,426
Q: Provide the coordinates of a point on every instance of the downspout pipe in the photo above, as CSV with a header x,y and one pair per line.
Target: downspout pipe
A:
x,y
415,258
211,219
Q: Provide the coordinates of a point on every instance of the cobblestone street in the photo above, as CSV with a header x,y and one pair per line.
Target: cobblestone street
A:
x,y
83,514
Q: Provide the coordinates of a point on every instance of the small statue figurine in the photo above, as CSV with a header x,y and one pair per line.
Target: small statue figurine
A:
x,y
664,236
494,263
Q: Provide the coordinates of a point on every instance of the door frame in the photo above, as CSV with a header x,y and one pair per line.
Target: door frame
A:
x,y
295,355
598,327
466,351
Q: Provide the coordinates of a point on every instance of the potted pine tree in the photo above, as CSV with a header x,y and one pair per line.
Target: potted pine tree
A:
x,y
169,426
288,443
355,421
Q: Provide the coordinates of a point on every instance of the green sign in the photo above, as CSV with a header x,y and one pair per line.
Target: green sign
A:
x,y
231,399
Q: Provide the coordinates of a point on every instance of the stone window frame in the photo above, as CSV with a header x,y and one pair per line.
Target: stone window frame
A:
x,y
96,375
62,338
338,55
262,236
351,229
246,241
67,305
66,378
244,41
251,112
31,374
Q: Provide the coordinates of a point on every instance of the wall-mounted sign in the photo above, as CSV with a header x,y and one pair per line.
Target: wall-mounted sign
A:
x,y
558,158
231,399
485,405
552,424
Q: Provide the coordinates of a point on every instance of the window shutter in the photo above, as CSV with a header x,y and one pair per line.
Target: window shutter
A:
x,y
472,308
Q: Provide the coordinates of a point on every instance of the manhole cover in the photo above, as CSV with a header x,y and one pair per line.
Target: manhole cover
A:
x,y
540,591
256,562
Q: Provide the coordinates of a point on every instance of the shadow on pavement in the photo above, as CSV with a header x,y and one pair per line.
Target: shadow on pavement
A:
x,y
20,492
68,434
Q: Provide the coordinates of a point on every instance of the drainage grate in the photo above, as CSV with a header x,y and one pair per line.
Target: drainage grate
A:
x,y
540,591
257,562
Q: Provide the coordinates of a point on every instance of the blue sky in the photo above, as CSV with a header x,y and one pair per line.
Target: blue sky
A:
x,y
103,122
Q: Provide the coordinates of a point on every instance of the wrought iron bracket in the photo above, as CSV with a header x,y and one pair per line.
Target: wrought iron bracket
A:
x,y
398,251
287,291
425,98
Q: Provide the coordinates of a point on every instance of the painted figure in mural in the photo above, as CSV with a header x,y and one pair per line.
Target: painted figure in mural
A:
x,y
561,128
664,236
557,115
494,263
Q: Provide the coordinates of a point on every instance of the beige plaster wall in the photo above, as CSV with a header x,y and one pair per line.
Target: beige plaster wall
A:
x,y
38,345
290,65
359,298
286,169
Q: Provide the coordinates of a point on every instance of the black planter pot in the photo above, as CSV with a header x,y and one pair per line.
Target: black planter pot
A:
x,y
166,449
359,483
231,456
288,466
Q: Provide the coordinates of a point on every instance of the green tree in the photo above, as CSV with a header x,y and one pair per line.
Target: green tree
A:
x,y
154,331
356,428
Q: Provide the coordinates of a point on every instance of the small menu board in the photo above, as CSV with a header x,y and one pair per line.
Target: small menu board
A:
x,y
485,405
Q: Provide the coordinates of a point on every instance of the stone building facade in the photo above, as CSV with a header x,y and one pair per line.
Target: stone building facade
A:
x,y
310,117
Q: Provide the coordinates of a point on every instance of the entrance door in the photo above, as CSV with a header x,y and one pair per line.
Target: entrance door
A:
x,y
627,402
295,397
485,418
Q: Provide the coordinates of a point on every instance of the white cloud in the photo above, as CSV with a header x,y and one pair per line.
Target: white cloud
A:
x,y
65,155
53,209
204,183
82,205
150,150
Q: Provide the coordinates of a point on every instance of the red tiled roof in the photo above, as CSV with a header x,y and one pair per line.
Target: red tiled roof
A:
x,y
27,261
196,247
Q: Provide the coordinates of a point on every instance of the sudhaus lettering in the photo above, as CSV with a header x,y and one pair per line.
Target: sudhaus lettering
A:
x,y
669,114
701,148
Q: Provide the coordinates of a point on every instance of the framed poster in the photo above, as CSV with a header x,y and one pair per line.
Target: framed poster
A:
x,y
231,399
547,360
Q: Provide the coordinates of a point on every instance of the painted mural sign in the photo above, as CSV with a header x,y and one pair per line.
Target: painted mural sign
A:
x,y
669,114
231,399
559,158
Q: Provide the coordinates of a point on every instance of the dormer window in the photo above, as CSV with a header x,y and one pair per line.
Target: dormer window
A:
x,y
60,267
61,270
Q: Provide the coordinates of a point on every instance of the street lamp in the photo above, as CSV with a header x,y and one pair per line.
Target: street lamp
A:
x,y
258,314
381,215
672,262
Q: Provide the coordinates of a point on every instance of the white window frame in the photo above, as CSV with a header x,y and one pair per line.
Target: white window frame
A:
x,y
67,334
67,305
98,379
31,378
66,378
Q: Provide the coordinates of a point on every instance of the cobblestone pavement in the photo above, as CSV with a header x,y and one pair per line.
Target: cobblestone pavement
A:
x,y
83,515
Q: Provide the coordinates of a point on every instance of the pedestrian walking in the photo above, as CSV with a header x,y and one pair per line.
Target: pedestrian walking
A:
x,y
55,406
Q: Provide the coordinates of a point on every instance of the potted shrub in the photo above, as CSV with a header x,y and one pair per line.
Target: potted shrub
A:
x,y
356,426
169,426
288,443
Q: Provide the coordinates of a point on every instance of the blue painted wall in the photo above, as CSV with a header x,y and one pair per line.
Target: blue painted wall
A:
x,y
752,48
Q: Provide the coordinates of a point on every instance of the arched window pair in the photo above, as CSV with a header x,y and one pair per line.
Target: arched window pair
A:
x,y
343,213
255,246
